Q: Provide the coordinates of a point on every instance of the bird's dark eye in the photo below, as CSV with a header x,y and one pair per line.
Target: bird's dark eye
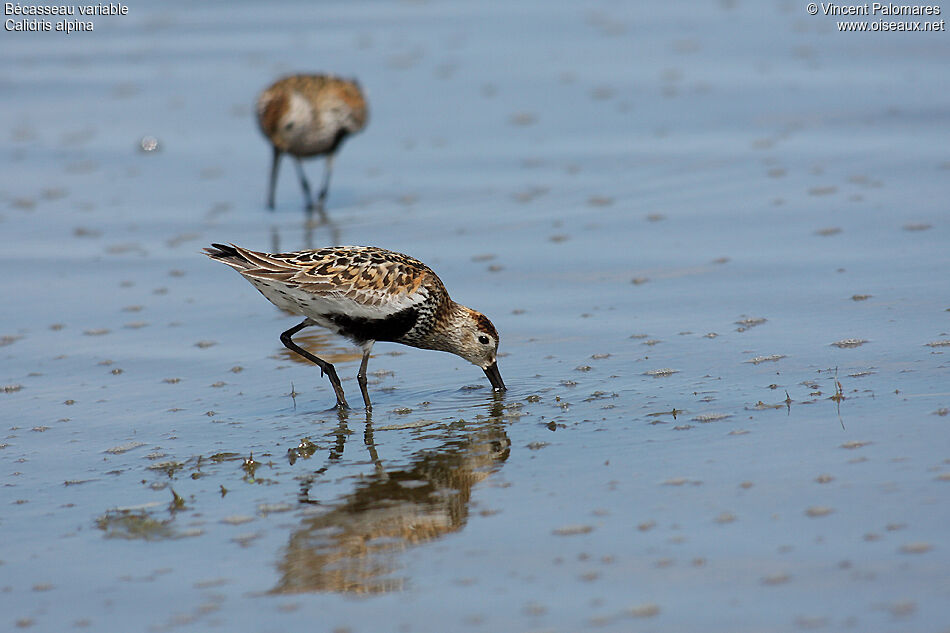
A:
x,y
483,340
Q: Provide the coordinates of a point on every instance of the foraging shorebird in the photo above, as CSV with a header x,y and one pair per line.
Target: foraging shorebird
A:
x,y
366,294
307,116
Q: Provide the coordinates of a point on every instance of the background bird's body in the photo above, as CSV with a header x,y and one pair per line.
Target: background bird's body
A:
x,y
307,116
367,294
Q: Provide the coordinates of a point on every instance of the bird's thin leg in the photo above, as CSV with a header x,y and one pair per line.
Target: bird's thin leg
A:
x,y
272,185
361,376
307,199
321,205
325,367
325,187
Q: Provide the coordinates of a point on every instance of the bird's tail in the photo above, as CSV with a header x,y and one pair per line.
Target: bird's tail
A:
x,y
228,254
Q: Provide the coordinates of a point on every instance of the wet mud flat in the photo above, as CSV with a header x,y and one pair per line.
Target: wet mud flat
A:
x,y
714,247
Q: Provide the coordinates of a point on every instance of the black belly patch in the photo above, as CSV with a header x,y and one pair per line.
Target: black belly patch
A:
x,y
337,141
361,329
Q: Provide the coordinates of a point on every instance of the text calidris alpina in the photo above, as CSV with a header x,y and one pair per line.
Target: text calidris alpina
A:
x,y
366,294
307,116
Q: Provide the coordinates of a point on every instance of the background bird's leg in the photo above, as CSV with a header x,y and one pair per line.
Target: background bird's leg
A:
x,y
325,367
272,186
325,187
307,199
361,376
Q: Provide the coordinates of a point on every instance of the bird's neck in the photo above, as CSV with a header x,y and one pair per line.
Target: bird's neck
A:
x,y
446,321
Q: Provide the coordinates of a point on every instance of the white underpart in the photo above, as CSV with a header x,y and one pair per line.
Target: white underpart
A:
x,y
308,135
355,304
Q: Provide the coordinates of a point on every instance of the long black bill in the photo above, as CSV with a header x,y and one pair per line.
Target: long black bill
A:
x,y
494,377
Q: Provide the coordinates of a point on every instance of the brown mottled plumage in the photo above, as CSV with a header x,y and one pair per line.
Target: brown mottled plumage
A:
x,y
307,116
367,294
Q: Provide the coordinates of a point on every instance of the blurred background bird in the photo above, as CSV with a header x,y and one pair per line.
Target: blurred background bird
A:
x,y
308,116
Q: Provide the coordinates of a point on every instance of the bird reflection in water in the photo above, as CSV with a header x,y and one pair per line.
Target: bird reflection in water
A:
x,y
310,224
356,544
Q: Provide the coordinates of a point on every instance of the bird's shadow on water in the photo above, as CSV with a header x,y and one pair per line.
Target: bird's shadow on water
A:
x,y
353,542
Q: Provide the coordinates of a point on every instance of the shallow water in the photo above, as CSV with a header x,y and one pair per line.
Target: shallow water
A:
x,y
713,240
